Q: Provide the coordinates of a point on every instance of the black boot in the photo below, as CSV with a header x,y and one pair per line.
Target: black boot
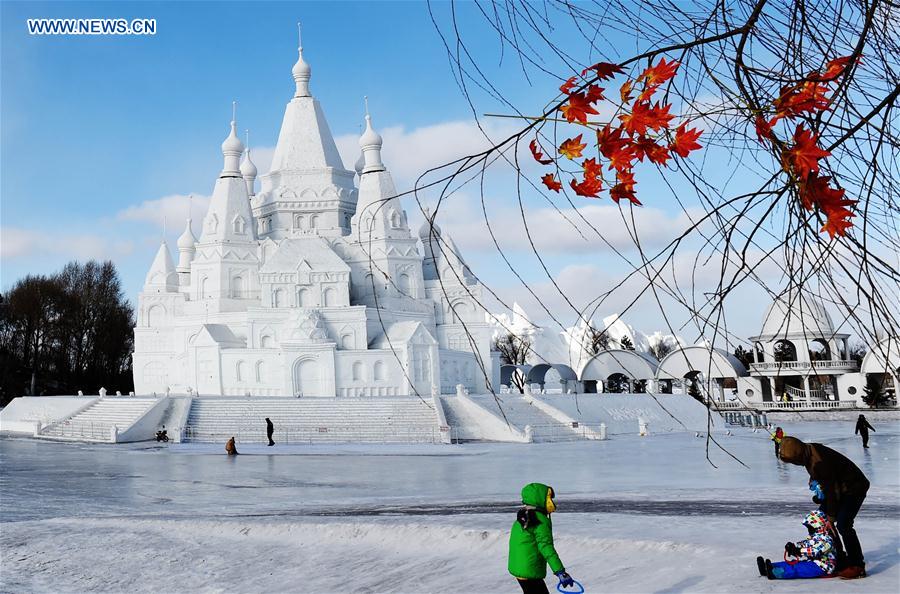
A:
x,y
769,573
761,565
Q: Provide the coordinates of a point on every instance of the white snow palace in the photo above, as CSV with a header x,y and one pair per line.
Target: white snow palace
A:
x,y
313,286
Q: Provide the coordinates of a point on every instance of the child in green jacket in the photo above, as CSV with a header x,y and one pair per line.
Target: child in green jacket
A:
x,y
531,541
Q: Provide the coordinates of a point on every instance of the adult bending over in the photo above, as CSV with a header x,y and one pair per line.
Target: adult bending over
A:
x,y
844,487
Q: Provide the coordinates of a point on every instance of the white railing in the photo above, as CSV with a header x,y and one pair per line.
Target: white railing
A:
x,y
729,405
803,405
777,365
798,393
308,434
87,430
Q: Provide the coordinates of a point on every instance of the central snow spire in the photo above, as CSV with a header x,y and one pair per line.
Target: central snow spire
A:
x,y
301,70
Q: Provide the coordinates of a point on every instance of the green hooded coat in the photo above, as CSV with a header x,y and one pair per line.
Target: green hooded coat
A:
x,y
531,549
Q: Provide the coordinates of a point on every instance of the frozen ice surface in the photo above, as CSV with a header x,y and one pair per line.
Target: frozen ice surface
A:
x,y
636,514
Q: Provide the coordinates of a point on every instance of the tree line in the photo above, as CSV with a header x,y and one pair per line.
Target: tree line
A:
x,y
69,331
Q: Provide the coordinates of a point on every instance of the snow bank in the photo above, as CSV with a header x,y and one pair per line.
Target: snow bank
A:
x,y
608,553
665,413
20,415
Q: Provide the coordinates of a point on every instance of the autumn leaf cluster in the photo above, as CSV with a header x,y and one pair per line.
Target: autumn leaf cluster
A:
x,y
643,131
801,153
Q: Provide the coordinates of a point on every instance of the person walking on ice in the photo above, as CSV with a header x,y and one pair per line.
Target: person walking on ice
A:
x,y
270,429
844,488
862,429
815,555
531,542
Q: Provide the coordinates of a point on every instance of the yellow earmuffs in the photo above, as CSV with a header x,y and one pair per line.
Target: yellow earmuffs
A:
x,y
549,505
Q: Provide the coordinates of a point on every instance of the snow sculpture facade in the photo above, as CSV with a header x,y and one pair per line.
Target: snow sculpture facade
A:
x,y
312,287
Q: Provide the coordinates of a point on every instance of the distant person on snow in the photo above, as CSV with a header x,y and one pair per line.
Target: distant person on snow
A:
x,y
531,542
843,487
229,447
777,437
815,555
270,429
862,428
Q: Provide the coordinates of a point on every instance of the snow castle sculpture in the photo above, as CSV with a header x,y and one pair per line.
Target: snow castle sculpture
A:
x,y
312,287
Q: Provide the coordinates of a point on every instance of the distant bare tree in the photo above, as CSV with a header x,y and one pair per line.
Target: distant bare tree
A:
x,y
858,351
513,351
744,356
599,340
660,349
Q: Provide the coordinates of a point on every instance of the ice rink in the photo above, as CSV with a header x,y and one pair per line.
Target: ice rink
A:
x,y
635,514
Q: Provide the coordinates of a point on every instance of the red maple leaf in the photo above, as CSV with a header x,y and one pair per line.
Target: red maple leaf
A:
x,y
623,158
594,93
572,147
620,191
604,70
685,140
803,157
817,191
647,147
764,127
567,86
537,153
660,73
626,179
625,91
794,100
642,116
589,188
551,182
592,169
834,68
610,140
578,108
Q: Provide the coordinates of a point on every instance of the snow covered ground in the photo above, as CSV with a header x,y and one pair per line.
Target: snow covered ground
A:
x,y
636,515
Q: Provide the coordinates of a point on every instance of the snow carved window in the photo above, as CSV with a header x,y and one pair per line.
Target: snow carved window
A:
x,y
379,371
238,224
260,371
239,371
396,220
357,371
237,287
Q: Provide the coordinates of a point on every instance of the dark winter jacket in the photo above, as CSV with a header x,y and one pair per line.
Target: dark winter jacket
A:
x,y
838,476
531,545
862,426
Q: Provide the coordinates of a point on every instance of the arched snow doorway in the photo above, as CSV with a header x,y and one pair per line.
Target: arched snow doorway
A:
x,y
307,380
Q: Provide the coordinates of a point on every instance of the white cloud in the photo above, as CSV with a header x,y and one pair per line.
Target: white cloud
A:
x,y
410,153
171,210
587,229
28,244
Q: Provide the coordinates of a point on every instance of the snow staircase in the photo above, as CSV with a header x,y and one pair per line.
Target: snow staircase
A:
x,y
95,422
313,420
519,412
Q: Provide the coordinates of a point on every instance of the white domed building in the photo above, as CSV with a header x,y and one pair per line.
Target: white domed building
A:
x,y
312,286
798,354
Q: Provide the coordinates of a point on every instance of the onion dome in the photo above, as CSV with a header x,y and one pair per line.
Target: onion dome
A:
x,y
187,239
301,73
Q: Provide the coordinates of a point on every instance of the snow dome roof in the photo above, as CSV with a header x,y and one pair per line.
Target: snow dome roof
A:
x,y
796,314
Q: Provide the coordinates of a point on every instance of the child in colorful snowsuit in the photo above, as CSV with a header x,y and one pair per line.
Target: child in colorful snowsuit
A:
x,y
816,554
531,542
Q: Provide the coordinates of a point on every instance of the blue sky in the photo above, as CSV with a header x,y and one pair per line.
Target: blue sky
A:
x,y
102,134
